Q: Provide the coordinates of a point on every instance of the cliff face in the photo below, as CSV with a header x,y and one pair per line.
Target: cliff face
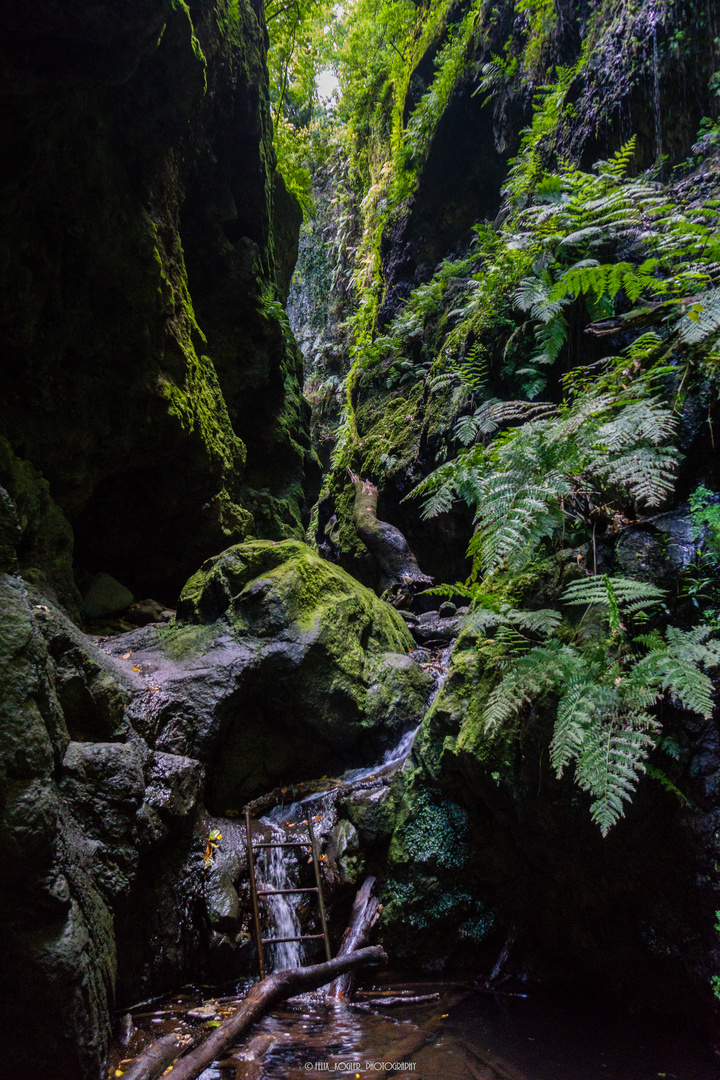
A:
x,y
148,375
448,361
150,415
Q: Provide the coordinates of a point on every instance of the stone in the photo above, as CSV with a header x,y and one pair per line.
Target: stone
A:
x,y
343,852
372,813
659,551
280,667
105,597
174,784
145,612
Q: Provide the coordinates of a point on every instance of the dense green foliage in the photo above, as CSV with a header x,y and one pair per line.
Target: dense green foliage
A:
x,y
551,442
540,476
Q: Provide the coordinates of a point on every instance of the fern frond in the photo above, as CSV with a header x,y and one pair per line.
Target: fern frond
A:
x,y
673,666
583,700
538,671
625,591
609,767
702,320
640,421
647,474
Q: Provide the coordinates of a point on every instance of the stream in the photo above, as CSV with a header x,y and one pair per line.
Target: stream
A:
x,y
464,1033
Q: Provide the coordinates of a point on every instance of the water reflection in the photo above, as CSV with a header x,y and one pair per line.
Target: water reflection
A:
x,y
465,1035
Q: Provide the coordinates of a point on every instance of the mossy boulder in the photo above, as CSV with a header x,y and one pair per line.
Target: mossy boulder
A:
x,y
281,667
433,906
372,813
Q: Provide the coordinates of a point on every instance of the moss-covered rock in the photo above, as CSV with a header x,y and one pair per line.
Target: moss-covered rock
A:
x,y
434,908
149,377
372,813
38,530
281,667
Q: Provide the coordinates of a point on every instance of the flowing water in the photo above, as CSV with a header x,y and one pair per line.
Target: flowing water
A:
x,y
463,1035
278,868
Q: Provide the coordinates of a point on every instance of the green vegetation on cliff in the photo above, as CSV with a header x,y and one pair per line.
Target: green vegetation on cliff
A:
x,y
545,373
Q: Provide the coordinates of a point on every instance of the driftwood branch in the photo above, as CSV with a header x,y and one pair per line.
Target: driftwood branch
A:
x,y
365,913
503,957
391,1002
385,543
155,1059
261,998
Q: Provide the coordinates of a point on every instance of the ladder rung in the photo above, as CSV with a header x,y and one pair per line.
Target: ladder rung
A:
x,y
290,843
283,892
303,937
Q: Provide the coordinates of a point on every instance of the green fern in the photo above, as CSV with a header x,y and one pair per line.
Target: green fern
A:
x,y
623,594
604,721
611,761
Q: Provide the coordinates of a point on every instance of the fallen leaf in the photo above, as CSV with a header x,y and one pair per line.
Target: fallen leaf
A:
x,y
126,655
135,668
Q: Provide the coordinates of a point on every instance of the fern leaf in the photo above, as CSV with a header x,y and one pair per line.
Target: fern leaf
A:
x,y
610,765
702,320
581,702
625,591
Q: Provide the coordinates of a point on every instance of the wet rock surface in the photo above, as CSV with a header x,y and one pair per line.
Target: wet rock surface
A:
x,y
285,668
118,880
150,402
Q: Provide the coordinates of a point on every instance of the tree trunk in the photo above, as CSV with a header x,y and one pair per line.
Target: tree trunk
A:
x,y
365,913
384,542
260,999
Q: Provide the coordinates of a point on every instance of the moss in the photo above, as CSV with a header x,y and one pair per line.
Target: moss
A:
x,y
431,832
394,438
42,536
180,642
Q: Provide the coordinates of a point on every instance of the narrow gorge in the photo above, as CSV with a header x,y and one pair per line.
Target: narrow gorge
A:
x,y
358,422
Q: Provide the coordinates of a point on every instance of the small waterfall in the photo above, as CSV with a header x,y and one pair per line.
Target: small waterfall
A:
x,y
277,868
396,755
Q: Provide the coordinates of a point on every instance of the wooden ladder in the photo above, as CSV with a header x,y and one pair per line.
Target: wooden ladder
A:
x,y
317,888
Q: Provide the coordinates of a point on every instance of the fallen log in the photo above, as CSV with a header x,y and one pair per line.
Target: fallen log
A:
x,y
389,1002
385,542
365,913
261,998
155,1059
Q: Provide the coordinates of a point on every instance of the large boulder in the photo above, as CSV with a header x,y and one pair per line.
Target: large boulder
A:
x,y
82,800
281,667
